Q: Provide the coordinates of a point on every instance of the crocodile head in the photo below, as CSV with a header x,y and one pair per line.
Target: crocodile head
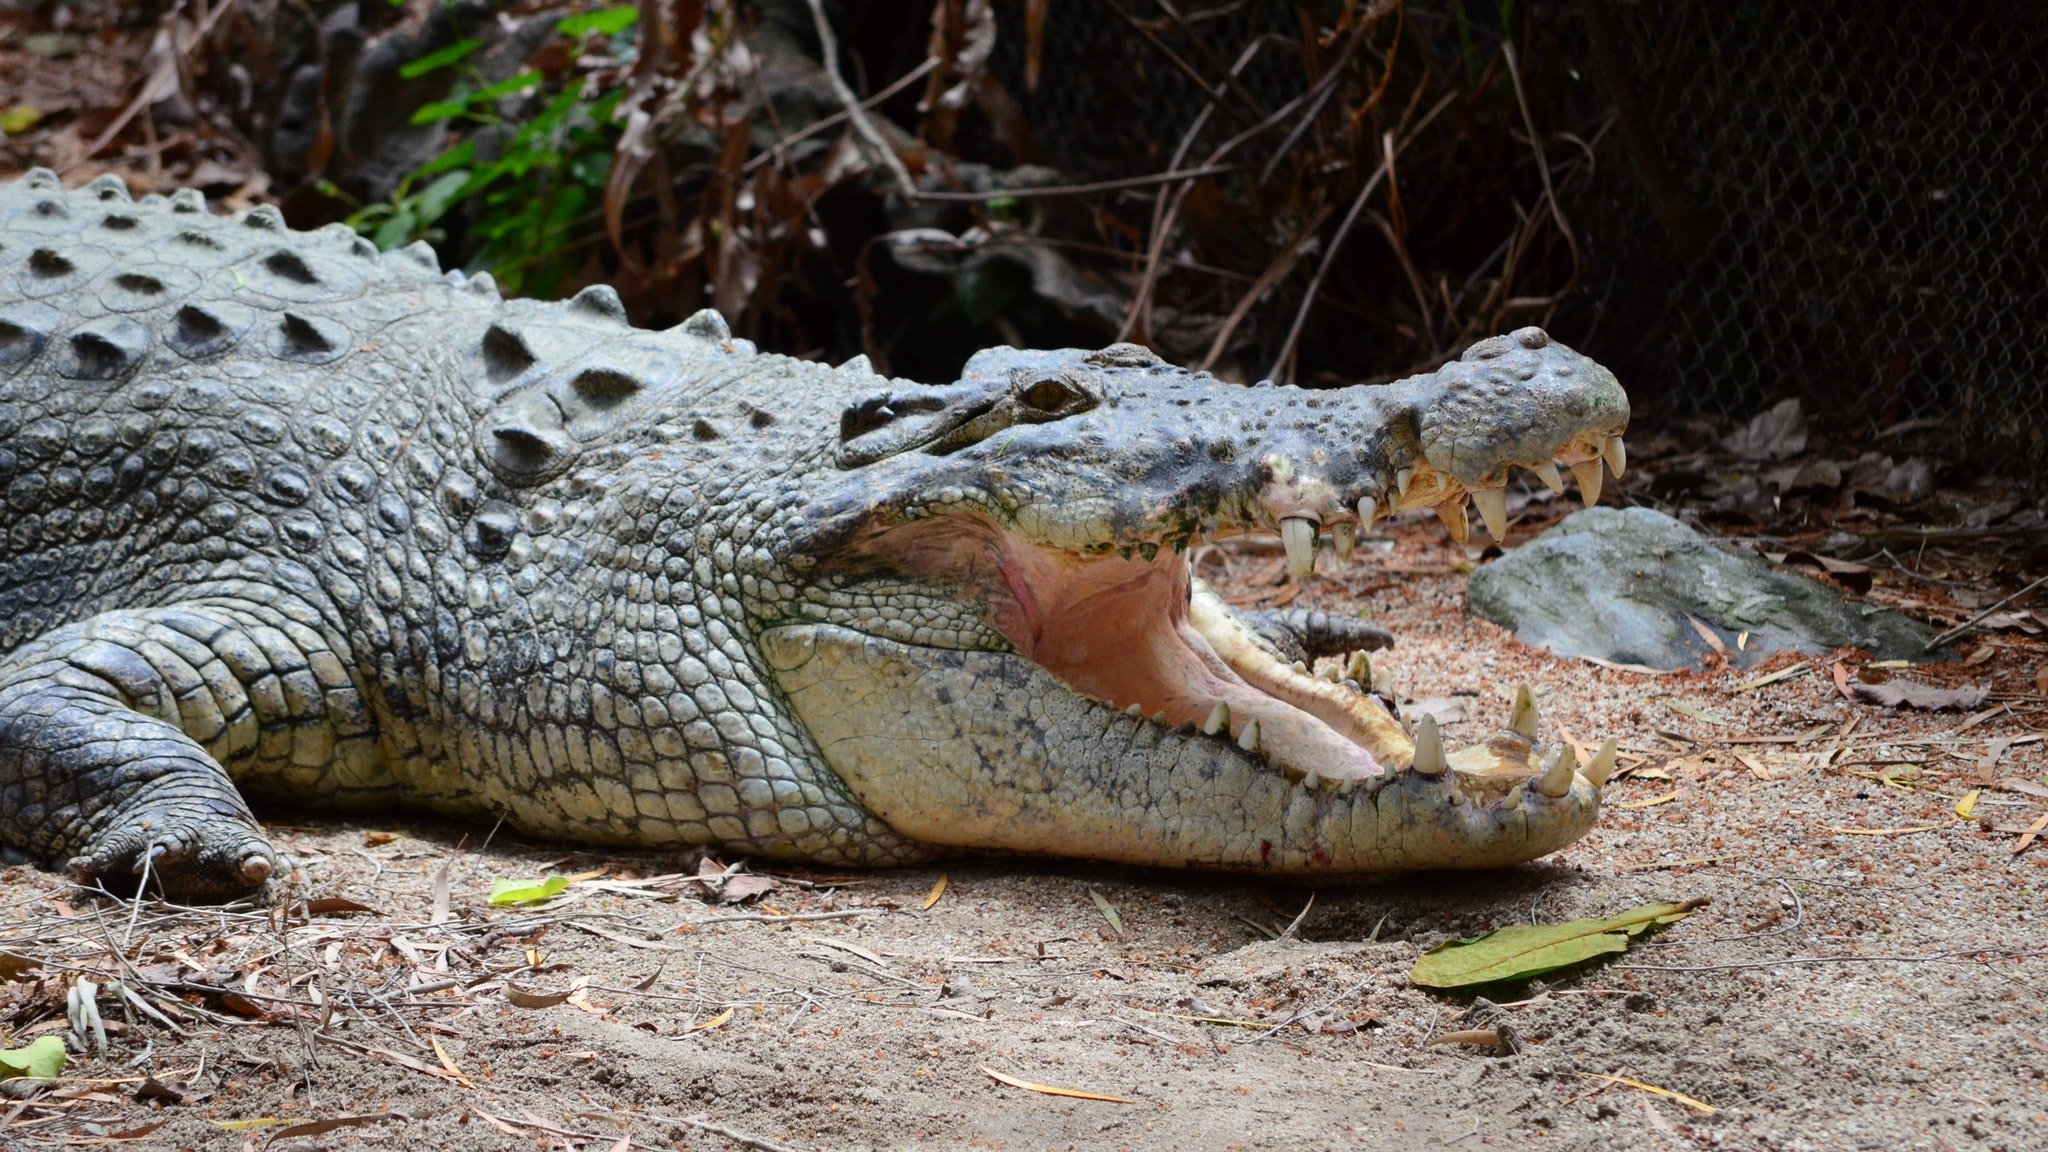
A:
x,y
1001,645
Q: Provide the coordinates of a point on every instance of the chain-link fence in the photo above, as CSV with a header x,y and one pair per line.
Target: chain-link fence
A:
x,y
1825,199
1844,202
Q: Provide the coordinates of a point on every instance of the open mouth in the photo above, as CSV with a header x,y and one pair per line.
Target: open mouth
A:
x,y
1137,635
1131,635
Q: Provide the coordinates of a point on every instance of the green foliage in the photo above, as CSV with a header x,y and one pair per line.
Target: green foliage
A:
x,y
530,193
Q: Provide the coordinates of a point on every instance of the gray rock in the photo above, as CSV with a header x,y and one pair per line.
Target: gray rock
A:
x,y
1618,584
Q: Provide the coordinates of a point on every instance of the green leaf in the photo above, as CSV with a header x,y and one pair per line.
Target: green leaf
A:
x,y
459,156
1523,951
505,87
439,58
42,1060
438,110
603,21
436,197
516,892
396,230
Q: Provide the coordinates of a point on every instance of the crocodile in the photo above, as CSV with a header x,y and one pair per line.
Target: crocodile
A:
x,y
290,521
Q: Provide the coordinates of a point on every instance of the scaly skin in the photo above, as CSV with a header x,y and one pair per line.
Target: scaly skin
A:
x,y
292,520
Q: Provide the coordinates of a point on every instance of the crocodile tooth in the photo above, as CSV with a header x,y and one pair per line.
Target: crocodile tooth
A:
x,y
1219,719
1401,481
1135,709
1602,766
1556,780
1493,508
1452,513
1249,738
1588,476
1429,748
1547,472
1522,720
1616,454
1299,667
1159,717
1298,534
1359,667
1368,511
1345,538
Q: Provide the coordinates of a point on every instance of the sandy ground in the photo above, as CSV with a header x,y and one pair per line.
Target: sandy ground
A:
x,y
1869,974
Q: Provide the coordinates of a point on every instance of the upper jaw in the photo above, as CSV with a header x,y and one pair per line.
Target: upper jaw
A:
x,y
1167,459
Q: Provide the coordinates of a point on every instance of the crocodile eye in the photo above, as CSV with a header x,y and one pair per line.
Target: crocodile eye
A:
x,y
1054,395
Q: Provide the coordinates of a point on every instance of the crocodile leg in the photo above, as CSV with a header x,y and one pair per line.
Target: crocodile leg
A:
x,y
117,735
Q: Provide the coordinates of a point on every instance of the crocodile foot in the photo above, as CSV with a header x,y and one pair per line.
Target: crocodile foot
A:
x,y
185,857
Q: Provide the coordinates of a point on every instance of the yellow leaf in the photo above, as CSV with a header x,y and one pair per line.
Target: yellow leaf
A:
x,y
448,1062
260,1122
1968,803
714,1022
937,891
1652,802
1050,1089
1700,1106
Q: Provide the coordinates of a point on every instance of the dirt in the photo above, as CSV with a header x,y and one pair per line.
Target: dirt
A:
x,y
1869,973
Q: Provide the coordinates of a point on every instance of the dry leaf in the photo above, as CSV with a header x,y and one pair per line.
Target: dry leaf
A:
x,y
1785,673
938,890
448,1062
1116,922
336,906
1773,435
2027,837
317,1127
1050,1089
1652,802
529,998
1483,1037
2041,679
1968,803
1701,1107
1982,655
13,967
1897,693
375,839
715,1021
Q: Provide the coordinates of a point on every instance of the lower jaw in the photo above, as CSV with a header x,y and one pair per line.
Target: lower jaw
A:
x,y
987,751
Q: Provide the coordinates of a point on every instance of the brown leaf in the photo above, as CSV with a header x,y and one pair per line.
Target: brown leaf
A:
x,y
1898,693
528,998
242,1005
13,967
2041,679
1772,435
336,906
337,1123
2033,830
2023,787
1855,577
